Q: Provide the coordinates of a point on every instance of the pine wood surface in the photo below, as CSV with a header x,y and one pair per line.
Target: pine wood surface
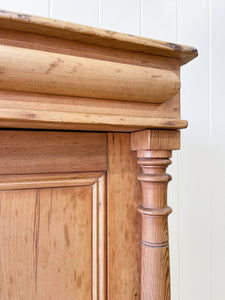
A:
x,y
153,152
14,118
155,278
155,140
75,48
71,31
27,152
54,238
54,103
124,222
45,254
27,110
47,72
99,239
48,180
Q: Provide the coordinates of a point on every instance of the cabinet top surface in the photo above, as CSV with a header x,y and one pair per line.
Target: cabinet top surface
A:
x,y
96,36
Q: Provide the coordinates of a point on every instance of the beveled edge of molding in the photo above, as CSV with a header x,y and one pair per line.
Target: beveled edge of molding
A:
x,y
30,181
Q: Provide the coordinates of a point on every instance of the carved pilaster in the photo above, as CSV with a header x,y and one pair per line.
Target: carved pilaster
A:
x,y
153,152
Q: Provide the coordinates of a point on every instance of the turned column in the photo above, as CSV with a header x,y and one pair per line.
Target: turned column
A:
x,y
153,155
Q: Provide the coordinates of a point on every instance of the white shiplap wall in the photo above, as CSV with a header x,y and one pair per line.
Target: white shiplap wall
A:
x,y
197,194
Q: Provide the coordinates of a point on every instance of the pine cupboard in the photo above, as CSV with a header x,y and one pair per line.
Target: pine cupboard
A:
x,y
89,119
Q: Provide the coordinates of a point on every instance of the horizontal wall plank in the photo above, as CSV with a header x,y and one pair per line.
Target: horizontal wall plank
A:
x,y
217,159
75,11
23,152
38,8
122,16
195,210
159,19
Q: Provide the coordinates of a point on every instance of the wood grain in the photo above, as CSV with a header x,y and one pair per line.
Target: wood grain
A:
x,y
56,242
101,186
99,240
153,151
52,73
155,140
45,243
90,35
45,111
124,224
168,109
155,272
48,180
60,238
19,118
54,103
25,152
82,49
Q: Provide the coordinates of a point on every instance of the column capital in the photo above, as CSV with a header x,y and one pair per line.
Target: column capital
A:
x,y
155,139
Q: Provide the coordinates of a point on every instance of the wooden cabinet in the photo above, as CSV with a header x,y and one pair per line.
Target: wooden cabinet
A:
x,y
81,110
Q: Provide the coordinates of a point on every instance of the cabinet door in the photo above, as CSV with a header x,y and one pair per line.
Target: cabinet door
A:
x,y
69,226
52,225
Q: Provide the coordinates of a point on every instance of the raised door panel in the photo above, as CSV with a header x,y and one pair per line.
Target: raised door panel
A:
x,y
52,236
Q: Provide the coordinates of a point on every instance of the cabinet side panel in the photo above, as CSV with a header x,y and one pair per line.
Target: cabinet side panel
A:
x,y
124,223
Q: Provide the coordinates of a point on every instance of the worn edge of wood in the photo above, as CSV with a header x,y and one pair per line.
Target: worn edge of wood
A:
x,y
8,117
91,35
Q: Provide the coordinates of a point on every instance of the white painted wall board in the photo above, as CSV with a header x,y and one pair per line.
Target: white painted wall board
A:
x,y
82,12
38,8
218,149
173,201
194,207
158,19
120,15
